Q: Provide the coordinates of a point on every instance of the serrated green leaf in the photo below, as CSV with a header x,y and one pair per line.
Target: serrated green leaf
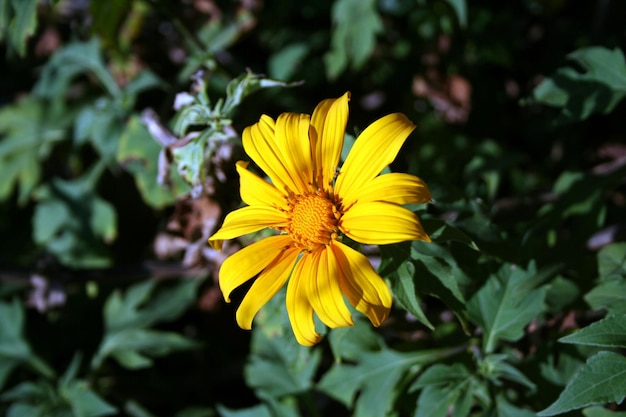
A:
x,y
506,304
375,376
436,401
601,380
355,26
608,332
447,390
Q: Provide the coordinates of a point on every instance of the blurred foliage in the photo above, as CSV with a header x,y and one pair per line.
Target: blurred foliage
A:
x,y
120,124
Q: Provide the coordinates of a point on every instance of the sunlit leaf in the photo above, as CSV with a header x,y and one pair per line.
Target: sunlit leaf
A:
x,y
601,380
580,94
506,304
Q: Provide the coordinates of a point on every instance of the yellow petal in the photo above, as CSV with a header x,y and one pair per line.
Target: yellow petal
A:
x,y
363,287
247,220
375,148
393,188
256,191
266,286
381,223
321,275
329,124
298,306
249,261
259,143
294,148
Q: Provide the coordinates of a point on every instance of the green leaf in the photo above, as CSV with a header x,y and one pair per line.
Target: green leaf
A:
x,y
375,374
86,403
126,319
74,223
30,129
506,304
284,62
14,349
495,367
348,343
244,85
597,90
396,266
601,380
278,365
355,26
70,61
138,153
23,23
101,124
608,295
445,389
602,412
608,332
441,231
612,261
71,397
260,410
460,8
506,409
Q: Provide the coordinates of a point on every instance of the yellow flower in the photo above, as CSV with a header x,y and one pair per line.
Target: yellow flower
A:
x,y
313,205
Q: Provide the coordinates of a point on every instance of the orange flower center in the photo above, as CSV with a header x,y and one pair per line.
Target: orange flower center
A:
x,y
312,220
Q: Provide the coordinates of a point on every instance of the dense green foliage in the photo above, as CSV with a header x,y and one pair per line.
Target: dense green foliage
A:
x,y
120,124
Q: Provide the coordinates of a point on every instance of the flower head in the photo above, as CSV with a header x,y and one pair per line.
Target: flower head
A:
x,y
312,206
